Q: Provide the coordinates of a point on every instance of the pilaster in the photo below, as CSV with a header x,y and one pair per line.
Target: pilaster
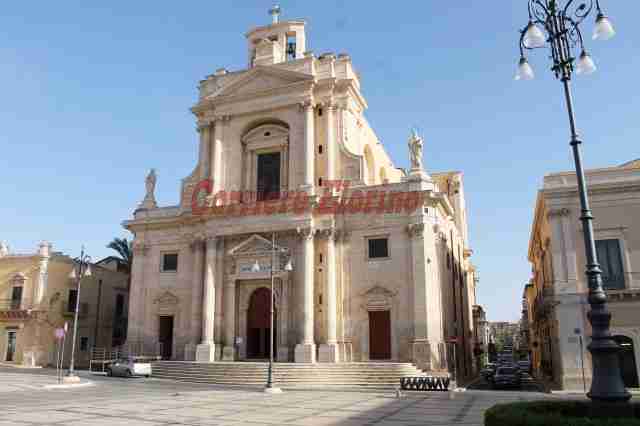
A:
x,y
305,351
328,352
420,348
229,350
309,146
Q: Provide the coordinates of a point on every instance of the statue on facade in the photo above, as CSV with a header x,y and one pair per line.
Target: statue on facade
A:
x,y
149,201
415,151
151,183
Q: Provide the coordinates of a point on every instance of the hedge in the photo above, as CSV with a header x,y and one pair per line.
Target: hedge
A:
x,y
553,413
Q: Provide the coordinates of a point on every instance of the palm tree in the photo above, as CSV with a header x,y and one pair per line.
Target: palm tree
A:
x,y
124,249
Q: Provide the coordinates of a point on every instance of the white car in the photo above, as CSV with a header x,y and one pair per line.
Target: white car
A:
x,y
129,368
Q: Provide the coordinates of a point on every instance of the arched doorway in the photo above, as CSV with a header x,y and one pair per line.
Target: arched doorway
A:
x,y
259,324
628,367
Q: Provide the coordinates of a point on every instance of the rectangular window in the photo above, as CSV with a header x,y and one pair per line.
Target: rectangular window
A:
x,y
84,344
268,184
71,301
610,258
170,262
16,297
378,248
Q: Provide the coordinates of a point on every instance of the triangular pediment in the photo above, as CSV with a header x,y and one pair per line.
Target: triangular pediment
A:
x,y
261,79
167,298
253,244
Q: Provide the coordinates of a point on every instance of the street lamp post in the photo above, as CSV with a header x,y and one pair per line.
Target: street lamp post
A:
x,y
80,270
558,26
269,388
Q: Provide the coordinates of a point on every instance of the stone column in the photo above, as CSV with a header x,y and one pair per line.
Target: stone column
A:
x,y
420,348
331,141
305,351
229,350
135,332
329,351
205,352
309,146
204,156
216,154
197,248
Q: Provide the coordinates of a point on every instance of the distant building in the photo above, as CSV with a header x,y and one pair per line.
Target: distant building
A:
x,y
505,333
557,294
482,335
37,297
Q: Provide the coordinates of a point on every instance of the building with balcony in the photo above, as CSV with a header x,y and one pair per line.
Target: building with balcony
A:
x,y
37,297
286,154
557,293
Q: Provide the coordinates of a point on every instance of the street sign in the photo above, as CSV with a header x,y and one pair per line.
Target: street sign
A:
x,y
59,333
453,339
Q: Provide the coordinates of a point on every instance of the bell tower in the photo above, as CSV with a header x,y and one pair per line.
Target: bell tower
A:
x,y
279,42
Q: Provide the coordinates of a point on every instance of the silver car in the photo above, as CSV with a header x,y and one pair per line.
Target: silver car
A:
x,y
129,368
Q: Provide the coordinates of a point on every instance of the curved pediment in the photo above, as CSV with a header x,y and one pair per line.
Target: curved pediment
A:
x,y
266,131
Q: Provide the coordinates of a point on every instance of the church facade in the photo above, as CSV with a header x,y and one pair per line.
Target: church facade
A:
x,y
293,189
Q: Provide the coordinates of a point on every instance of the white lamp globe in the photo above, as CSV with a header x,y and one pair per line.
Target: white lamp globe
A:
x,y
585,64
604,29
533,37
525,72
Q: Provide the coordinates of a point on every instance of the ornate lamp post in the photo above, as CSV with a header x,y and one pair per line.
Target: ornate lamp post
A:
x,y
81,269
556,24
256,268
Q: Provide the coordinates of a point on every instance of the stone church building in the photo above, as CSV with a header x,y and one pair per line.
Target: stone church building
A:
x,y
368,261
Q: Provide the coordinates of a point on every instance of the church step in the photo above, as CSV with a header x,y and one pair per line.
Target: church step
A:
x,y
360,375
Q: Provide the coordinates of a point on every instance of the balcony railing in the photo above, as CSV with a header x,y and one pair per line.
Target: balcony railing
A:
x,y
13,304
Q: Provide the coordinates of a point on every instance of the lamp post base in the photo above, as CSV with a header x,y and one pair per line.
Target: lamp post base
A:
x,y
71,379
272,390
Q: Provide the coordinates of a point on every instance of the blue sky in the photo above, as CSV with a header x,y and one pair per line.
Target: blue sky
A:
x,y
92,96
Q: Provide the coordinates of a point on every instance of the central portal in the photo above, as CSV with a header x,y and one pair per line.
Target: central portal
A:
x,y
259,325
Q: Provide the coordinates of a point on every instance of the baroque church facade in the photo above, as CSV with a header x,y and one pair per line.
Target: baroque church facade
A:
x,y
292,187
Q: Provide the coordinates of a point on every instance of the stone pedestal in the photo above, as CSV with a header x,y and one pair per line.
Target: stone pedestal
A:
x,y
206,352
347,355
421,354
329,352
305,353
282,354
229,353
190,352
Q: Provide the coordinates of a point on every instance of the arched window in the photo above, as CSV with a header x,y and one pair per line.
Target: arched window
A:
x,y
265,160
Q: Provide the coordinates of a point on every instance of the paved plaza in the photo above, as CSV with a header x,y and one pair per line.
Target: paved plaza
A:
x,y
116,401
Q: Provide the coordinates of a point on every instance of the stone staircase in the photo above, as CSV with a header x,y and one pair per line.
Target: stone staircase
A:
x,y
363,375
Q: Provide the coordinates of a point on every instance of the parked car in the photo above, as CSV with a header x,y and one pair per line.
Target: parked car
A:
x,y
506,377
129,368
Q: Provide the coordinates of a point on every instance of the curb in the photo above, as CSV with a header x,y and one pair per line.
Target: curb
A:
x,y
69,386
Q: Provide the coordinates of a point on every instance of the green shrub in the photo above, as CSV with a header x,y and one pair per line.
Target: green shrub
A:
x,y
553,413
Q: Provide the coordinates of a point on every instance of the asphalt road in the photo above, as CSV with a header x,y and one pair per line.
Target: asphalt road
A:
x,y
529,384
